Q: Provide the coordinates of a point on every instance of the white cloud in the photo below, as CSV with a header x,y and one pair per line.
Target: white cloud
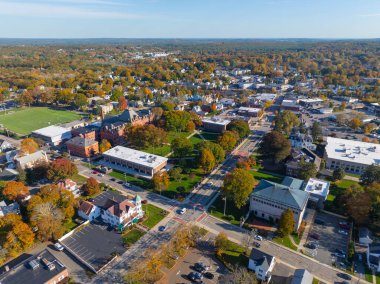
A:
x,y
371,15
60,11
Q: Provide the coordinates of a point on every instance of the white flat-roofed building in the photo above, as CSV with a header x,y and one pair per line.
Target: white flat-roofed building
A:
x,y
249,111
350,155
53,134
215,124
133,162
318,189
266,97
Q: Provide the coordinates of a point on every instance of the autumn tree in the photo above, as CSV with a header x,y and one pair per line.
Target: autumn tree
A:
x,y
355,123
104,145
91,187
15,190
206,160
48,219
216,149
144,136
181,146
161,181
221,243
122,103
286,223
228,140
16,235
61,169
29,146
368,128
275,146
238,185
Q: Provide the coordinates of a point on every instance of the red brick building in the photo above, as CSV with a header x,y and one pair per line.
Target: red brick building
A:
x,y
82,147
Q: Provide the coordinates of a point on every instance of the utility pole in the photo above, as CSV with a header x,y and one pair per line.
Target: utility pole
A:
x,y
225,204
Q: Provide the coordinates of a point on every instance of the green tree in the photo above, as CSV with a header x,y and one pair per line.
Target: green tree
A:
x,y
286,223
238,185
206,160
285,121
307,170
275,146
216,149
175,174
80,101
181,146
338,174
240,126
316,131
371,175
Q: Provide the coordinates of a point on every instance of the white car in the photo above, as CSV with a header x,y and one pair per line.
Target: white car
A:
x,y
258,238
182,211
126,184
343,232
58,246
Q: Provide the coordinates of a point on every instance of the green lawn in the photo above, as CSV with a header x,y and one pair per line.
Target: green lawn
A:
x,y
161,150
368,275
185,182
217,208
132,180
26,120
132,236
285,241
234,255
153,215
377,278
195,139
79,179
69,225
259,175
337,187
315,280
211,136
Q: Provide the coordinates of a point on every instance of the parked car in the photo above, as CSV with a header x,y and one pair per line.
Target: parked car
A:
x,y
310,246
343,232
100,175
194,276
201,267
208,275
257,244
95,172
319,222
58,246
344,276
162,228
258,238
182,211
314,236
126,184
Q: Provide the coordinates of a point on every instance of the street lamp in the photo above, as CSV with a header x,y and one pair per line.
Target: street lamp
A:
x,y
225,204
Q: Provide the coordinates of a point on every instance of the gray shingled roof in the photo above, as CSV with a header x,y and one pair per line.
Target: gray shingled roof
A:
x,y
281,194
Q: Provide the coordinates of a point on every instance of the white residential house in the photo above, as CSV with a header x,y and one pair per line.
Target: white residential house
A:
x,y
373,256
5,145
299,141
113,209
69,185
262,264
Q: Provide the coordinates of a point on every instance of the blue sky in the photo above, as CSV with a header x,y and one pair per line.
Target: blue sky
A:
x,y
190,18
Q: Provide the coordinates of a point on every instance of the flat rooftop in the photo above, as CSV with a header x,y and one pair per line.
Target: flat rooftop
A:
x,y
249,109
135,156
266,96
22,272
51,131
353,151
217,120
317,187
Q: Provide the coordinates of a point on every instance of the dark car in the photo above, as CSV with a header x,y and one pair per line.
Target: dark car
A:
x,y
200,268
314,236
194,276
344,276
257,244
209,275
120,182
319,222
112,179
311,246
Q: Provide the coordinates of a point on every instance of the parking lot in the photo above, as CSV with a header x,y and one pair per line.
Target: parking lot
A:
x,y
94,244
202,254
329,239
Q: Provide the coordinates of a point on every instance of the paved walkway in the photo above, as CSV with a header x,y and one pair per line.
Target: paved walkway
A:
x,y
309,220
352,178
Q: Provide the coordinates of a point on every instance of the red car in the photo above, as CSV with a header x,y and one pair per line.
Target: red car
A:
x,y
95,172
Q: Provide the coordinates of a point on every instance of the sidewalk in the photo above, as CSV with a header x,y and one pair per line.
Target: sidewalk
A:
x,y
309,220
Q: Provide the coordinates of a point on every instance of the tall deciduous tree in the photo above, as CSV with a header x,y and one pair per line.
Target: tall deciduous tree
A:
x,y
287,223
206,160
91,186
371,175
15,190
238,185
61,169
161,181
275,146
316,131
104,145
29,146
122,103
285,121
239,126
181,146
228,140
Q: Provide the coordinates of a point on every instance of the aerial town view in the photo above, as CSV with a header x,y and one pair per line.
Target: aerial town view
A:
x,y
173,142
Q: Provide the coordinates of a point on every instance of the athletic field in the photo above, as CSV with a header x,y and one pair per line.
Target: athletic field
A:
x,y
24,121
